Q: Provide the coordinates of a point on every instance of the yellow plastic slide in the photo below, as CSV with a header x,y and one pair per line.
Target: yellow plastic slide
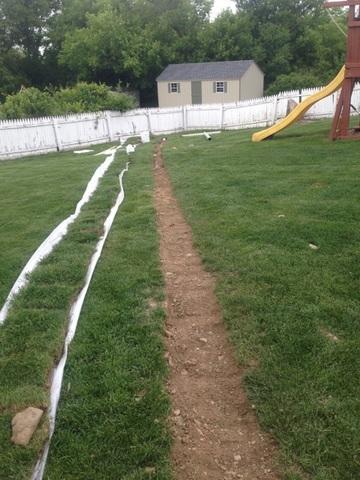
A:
x,y
300,109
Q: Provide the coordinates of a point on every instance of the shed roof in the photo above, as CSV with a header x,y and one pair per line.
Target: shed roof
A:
x,y
205,71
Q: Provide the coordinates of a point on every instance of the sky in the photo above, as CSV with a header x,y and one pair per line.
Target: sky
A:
x,y
220,5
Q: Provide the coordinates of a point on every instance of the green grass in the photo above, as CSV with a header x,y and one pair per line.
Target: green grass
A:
x,y
32,336
113,411
37,193
112,415
254,209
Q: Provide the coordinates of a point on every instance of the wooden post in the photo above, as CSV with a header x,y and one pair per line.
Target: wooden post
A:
x,y
57,135
108,124
222,113
148,116
341,123
184,112
274,117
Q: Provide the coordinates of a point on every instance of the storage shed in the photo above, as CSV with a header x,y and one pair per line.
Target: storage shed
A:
x,y
210,82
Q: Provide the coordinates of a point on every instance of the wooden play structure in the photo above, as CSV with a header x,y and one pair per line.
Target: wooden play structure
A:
x,y
345,79
341,123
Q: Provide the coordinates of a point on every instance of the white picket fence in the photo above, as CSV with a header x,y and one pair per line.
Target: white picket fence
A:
x,y
19,138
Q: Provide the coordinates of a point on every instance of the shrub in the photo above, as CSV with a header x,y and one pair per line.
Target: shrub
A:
x,y
83,97
29,102
90,97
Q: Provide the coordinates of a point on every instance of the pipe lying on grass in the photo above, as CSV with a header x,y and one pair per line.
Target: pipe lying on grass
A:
x,y
74,315
57,234
207,135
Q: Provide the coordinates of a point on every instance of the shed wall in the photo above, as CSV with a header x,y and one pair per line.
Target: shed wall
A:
x,y
252,83
232,94
167,99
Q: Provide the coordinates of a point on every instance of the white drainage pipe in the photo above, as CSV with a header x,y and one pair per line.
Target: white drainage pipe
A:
x,y
56,235
74,315
205,134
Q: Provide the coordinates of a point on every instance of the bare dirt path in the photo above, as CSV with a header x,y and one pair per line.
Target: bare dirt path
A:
x,y
216,434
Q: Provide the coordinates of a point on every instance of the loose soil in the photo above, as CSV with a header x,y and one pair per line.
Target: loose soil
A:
x,y
215,430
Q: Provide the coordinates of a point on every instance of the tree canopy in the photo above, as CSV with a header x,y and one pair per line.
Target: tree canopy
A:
x,y
60,42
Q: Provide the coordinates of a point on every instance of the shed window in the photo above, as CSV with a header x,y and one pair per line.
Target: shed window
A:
x,y
174,87
220,87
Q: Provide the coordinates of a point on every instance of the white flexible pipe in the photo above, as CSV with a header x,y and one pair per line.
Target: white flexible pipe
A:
x,y
56,235
74,315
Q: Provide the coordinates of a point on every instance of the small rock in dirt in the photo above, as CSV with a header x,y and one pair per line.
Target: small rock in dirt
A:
x,y
24,425
169,359
177,412
237,458
190,363
203,340
180,422
168,334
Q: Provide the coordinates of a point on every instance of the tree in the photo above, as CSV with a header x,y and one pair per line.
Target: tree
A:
x,y
24,26
281,29
133,40
293,81
11,77
227,38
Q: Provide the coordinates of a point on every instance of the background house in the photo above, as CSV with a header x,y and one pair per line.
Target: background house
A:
x,y
210,82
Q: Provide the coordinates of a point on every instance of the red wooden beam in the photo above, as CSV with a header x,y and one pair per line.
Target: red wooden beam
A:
x,y
341,3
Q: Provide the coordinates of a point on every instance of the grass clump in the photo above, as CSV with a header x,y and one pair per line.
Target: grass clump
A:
x,y
254,210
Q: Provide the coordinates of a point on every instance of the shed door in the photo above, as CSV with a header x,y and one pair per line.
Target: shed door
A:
x,y
196,94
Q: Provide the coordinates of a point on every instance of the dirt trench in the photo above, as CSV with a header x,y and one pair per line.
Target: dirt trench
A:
x,y
215,431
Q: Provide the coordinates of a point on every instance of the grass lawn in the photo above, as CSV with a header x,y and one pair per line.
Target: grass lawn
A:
x,y
112,414
292,312
37,193
32,336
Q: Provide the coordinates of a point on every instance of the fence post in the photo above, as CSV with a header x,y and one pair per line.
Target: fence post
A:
x,y
108,124
222,111
57,135
184,112
148,116
274,117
